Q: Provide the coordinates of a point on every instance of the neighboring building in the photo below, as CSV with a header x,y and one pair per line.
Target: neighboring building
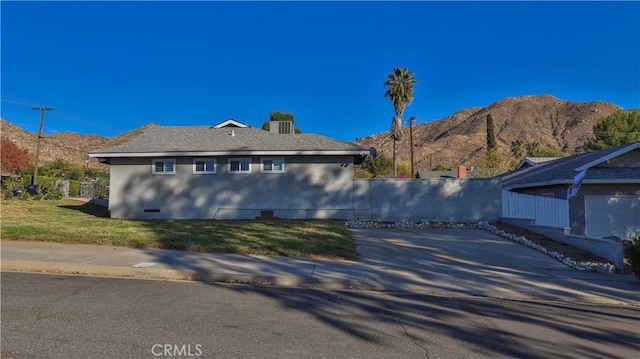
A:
x,y
534,161
230,171
460,173
608,200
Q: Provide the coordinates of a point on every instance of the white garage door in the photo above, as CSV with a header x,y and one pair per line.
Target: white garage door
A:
x,y
617,216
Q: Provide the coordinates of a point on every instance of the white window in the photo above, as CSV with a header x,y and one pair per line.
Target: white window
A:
x,y
163,167
204,166
272,165
239,165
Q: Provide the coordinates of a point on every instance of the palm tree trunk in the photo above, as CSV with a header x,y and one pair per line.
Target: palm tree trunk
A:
x,y
395,164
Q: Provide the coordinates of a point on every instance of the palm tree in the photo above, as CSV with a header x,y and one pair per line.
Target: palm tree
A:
x,y
399,86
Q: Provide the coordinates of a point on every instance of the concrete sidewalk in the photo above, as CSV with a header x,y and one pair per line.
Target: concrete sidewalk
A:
x,y
446,262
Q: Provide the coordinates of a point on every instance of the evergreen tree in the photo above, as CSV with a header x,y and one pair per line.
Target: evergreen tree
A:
x,y
491,135
280,116
619,128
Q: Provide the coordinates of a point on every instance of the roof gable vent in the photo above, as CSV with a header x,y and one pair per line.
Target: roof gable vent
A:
x,y
230,123
281,127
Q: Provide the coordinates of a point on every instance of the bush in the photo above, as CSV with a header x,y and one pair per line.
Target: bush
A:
x,y
74,188
7,193
49,190
632,253
46,182
102,188
55,193
8,185
26,179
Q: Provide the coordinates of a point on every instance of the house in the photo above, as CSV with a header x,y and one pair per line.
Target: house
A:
x,y
460,173
533,161
607,201
230,171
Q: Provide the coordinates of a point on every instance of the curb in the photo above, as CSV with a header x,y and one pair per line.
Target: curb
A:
x,y
172,274
256,280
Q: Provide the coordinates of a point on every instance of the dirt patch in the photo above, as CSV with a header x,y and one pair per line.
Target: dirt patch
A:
x,y
575,253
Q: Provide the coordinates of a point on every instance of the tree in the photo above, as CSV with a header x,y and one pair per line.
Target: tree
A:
x,y
399,84
441,167
62,168
490,165
491,135
518,149
535,150
619,128
382,166
280,116
14,159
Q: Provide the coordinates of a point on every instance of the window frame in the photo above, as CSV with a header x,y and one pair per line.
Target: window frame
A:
x,y
239,159
164,166
205,172
262,170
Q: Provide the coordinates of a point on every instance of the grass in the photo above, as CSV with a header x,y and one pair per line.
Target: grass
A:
x,y
69,221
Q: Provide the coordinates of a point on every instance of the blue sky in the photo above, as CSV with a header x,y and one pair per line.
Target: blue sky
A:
x,y
111,67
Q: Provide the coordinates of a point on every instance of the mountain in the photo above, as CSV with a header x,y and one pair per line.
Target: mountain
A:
x,y
70,146
460,139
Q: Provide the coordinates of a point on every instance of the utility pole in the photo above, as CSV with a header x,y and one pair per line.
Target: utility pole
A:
x,y
34,180
411,119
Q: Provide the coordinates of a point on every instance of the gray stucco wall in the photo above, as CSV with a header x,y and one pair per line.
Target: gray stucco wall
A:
x,y
311,187
451,200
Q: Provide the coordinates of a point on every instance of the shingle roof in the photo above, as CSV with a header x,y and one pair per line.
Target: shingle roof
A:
x,y
176,139
438,174
564,170
534,161
540,159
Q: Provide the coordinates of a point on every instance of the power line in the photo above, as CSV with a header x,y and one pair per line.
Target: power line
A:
x,y
63,114
18,102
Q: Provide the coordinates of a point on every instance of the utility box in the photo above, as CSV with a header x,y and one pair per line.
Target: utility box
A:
x,y
281,127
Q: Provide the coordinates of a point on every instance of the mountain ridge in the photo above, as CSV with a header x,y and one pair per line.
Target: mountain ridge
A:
x,y
458,139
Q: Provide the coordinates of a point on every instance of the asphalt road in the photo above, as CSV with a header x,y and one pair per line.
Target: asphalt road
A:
x,y
52,316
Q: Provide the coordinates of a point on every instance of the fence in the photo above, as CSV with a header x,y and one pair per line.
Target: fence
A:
x,y
450,200
84,189
545,211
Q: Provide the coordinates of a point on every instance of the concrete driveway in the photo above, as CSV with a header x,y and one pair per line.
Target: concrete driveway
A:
x,y
450,262
477,262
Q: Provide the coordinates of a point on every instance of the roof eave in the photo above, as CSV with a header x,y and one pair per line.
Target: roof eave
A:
x,y
603,159
569,182
227,153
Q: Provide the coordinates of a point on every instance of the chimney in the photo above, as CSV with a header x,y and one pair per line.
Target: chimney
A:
x,y
462,172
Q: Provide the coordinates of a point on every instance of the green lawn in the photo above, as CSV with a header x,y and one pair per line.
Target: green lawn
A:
x,y
69,221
